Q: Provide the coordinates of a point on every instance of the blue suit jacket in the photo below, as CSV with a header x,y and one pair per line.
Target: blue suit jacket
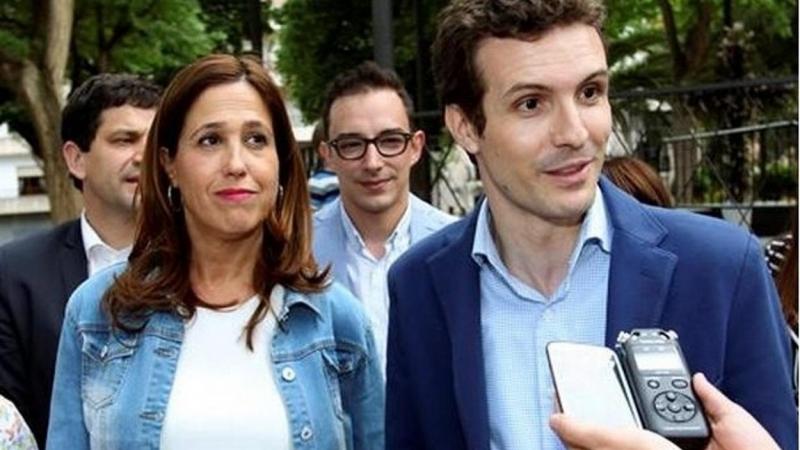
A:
x,y
330,240
701,277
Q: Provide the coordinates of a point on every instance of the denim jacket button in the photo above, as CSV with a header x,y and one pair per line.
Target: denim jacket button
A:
x,y
288,374
306,433
103,352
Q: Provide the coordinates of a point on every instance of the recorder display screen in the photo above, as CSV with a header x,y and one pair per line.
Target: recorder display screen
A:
x,y
658,360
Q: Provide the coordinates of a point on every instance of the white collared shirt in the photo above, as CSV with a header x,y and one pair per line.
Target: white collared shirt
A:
x,y
99,255
367,274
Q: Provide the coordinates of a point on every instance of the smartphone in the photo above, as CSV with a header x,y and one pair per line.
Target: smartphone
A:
x,y
590,384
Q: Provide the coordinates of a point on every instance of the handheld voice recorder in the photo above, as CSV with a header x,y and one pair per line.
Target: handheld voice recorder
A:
x,y
660,381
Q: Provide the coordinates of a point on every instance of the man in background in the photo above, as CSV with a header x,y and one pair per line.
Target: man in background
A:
x,y
104,129
371,147
323,185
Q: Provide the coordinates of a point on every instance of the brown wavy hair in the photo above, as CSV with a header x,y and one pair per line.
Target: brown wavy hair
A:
x,y
157,277
639,179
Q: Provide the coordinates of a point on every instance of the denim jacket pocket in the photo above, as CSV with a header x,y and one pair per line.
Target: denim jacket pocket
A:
x,y
340,363
105,359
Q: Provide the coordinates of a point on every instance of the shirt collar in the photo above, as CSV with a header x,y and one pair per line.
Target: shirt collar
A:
x,y
89,235
91,239
595,227
399,237
99,254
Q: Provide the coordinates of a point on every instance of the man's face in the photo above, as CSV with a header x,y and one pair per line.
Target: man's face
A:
x,y
373,184
110,169
547,122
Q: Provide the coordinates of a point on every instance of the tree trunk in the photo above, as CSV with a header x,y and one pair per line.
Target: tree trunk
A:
x,y
37,81
45,109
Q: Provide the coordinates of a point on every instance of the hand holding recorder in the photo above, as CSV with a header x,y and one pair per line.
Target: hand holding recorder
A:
x,y
732,428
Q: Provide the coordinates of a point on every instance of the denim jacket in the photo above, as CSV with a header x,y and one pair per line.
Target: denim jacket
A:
x,y
112,387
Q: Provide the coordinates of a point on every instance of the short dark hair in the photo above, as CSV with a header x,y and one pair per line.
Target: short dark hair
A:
x,y
465,23
361,79
81,116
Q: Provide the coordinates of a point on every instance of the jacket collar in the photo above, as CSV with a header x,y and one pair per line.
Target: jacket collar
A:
x,y
641,270
457,284
72,259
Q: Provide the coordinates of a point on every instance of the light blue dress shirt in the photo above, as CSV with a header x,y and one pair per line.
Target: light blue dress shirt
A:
x,y
517,322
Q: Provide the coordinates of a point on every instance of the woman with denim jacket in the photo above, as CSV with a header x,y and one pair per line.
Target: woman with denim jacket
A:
x,y
220,331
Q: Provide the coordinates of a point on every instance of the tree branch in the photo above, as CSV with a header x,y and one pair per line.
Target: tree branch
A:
x,y
60,14
678,57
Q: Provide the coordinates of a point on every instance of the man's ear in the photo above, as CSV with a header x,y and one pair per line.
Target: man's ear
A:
x,y
461,129
75,159
168,164
326,154
416,146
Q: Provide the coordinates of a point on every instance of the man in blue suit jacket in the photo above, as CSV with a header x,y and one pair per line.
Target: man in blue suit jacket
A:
x,y
371,146
555,252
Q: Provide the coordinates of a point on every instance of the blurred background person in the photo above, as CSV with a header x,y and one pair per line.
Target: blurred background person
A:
x,y
638,179
221,332
781,256
323,185
103,128
14,432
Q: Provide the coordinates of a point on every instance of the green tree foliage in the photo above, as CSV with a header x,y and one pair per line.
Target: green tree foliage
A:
x,y
317,39
148,37
646,52
238,21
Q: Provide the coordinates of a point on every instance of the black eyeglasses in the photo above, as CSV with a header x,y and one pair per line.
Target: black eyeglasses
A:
x,y
388,144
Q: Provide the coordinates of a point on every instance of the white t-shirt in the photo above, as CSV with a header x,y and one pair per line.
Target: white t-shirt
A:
x,y
223,394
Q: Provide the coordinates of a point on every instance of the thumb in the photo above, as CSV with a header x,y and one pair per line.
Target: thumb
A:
x,y
714,402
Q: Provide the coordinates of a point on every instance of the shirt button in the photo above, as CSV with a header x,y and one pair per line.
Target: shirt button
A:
x,y
306,433
288,375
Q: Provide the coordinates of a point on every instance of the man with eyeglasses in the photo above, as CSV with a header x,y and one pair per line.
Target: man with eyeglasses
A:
x,y
371,146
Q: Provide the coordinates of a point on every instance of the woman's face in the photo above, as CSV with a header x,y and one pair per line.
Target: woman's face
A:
x,y
226,165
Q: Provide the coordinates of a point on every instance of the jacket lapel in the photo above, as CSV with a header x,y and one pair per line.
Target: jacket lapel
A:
x,y
72,260
457,283
641,271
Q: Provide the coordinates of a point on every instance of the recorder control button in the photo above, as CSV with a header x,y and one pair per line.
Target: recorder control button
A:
x,y
653,384
680,383
675,407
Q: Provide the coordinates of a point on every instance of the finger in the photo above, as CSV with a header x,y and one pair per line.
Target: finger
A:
x,y
574,433
714,402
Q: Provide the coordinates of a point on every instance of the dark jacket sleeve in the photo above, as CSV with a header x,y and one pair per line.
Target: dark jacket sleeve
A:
x,y
12,376
757,372
402,430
